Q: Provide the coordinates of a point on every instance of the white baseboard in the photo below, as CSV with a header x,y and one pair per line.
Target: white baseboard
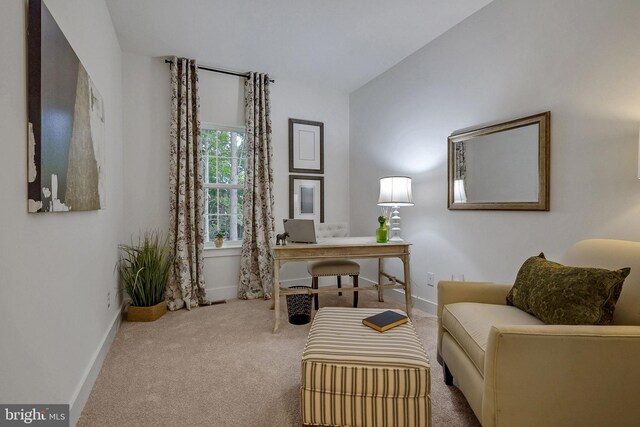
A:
x,y
395,294
224,293
231,292
398,295
83,390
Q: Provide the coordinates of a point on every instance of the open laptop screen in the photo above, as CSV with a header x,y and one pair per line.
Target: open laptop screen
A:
x,y
300,230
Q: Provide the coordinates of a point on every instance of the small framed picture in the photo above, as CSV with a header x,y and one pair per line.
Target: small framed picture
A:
x,y
306,146
306,197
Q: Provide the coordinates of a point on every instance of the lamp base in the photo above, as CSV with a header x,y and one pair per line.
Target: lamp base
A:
x,y
396,238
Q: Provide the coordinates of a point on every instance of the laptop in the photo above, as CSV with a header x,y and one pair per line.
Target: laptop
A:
x,y
300,230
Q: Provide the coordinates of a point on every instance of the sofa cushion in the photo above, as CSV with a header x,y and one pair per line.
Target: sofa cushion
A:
x,y
469,324
562,295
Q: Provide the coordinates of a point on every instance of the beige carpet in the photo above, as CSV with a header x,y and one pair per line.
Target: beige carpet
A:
x,y
222,366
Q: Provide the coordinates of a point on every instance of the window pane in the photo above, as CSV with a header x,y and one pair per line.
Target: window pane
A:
x,y
223,211
213,227
224,170
224,156
242,166
224,163
210,169
208,141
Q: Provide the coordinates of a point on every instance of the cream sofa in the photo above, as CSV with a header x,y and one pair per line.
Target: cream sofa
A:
x,y
516,371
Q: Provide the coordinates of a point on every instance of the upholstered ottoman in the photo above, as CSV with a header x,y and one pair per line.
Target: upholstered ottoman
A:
x,y
355,376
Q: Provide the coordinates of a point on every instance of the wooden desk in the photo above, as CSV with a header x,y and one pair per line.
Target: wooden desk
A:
x,y
342,247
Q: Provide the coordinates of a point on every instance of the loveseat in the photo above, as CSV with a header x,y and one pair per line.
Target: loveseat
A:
x,y
514,370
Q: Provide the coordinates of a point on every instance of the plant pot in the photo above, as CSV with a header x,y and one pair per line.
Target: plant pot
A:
x,y
218,242
146,314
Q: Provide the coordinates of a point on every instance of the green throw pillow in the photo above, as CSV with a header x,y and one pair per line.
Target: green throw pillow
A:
x,y
562,295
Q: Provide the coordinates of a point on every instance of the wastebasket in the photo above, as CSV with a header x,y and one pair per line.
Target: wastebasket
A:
x,y
299,307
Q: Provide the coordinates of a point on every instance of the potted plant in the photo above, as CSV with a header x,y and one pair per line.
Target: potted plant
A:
x,y
219,238
144,270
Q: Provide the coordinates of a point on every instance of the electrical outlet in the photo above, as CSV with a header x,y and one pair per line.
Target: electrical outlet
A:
x,y
431,279
109,299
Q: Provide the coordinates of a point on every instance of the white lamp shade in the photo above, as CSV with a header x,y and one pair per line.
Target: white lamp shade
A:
x,y
395,191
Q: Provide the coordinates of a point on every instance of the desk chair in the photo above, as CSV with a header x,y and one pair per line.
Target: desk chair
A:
x,y
333,267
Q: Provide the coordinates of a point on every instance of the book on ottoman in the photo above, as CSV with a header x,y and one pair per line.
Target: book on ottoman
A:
x,y
384,321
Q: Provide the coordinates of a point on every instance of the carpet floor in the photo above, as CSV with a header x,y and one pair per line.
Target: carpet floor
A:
x,y
222,366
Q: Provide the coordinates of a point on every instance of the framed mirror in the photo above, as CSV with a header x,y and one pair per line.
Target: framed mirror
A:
x,y
501,167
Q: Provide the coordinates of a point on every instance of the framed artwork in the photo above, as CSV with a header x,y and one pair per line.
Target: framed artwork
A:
x,y
306,146
66,130
306,197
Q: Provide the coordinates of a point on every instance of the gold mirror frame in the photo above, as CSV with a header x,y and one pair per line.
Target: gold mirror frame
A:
x,y
542,204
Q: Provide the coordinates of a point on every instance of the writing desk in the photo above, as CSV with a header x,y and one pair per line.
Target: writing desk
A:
x,y
342,247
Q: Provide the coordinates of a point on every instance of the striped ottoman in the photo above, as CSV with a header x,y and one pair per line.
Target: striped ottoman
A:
x,y
354,376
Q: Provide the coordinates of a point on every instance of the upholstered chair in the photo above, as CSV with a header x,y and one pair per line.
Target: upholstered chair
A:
x,y
515,370
333,267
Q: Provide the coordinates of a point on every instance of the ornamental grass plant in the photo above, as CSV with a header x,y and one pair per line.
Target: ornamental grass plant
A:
x,y
144,269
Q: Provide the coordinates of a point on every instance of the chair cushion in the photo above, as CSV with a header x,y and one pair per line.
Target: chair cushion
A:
x,y
469,324
333,267
562,295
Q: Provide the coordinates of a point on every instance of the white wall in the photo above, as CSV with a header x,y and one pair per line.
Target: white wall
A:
x,y
577,58
147,117
56,269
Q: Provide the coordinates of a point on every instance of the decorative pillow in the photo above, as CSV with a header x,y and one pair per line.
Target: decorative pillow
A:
x,y
562,295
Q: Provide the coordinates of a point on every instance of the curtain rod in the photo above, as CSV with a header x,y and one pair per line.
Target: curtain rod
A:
x,y
217,70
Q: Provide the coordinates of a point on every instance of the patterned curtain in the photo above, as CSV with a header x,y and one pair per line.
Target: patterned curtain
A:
x,y
256,263
186,233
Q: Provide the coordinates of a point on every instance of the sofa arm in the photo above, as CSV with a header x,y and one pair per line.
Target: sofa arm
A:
x,y
561,375
483,292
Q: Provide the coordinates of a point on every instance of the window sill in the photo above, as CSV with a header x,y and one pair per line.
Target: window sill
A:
x,y
227,250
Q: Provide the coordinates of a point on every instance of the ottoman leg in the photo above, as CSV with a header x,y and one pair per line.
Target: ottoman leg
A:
x,y
339,285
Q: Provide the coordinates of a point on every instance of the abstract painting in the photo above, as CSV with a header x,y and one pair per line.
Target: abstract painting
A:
x,y
66,123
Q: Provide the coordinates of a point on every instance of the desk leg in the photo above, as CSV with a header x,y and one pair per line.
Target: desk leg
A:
x,y
380,288
407,283
276,294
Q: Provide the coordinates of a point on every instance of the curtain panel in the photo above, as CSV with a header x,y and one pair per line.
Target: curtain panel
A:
x,y
256,263
186,189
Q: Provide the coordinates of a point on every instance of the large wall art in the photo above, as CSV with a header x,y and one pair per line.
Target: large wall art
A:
x,y
66,123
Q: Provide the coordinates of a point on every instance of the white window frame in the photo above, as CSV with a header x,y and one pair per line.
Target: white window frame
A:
x,y
207,185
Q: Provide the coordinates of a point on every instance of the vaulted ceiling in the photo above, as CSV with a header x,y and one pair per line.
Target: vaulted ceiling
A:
x,y
338,44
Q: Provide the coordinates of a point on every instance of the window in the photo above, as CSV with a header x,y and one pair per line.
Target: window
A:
x,y
224,173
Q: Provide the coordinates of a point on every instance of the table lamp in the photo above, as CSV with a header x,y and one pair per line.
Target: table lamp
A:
x,y
395,191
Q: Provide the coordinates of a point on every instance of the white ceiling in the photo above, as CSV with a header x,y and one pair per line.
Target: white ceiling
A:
x,y
339,44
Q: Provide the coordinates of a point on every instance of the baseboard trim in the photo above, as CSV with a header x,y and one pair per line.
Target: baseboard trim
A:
x,y
83,390
224,293
231,292
398,295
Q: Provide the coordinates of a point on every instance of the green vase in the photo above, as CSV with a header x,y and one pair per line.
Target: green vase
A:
x,y
382,234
